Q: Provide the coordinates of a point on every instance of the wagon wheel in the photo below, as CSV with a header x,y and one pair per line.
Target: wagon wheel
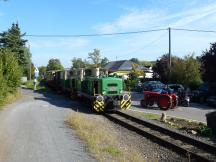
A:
x,y
165,102
143,103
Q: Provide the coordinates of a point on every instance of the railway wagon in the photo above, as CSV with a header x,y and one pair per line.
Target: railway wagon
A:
x,y
102,91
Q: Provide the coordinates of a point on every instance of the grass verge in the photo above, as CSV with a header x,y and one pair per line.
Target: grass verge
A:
x,y
10,98
101,142
197,128
30,85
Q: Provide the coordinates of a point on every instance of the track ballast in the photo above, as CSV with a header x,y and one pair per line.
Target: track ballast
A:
x,y
191,148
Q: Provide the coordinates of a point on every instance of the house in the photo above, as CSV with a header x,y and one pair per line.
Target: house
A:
x,y
123,68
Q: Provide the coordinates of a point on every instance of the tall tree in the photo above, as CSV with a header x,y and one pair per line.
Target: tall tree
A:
x,y
13,39
78,63
161,68
95,57
135,60
10,69
104,61
54,64
135,72
208,62
186,71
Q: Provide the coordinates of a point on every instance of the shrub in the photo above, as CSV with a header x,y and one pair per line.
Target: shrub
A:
x,y
9,73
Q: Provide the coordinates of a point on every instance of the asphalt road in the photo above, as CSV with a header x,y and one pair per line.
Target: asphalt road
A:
x,y
33,129
195,112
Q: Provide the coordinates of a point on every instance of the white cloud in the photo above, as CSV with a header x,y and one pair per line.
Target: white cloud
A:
x,y
151,45
136,19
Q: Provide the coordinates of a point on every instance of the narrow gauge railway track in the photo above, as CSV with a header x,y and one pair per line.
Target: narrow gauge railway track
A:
x,y
189,147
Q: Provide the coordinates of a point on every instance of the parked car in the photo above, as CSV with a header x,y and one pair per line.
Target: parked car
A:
x,y
201,94
150,85
211,101
183,96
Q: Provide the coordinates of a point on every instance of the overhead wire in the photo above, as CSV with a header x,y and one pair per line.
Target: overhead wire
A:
x,y
194,30
93,35
148,44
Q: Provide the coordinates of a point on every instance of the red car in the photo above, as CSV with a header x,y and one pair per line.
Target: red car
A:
x,y
163,98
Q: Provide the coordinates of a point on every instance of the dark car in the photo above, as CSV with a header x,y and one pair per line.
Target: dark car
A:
x,y
183,96
150,85
211,101
177,88
201,94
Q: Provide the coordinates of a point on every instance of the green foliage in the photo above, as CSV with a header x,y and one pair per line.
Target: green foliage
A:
x,y
104,61
78,63
112,150
12,39
42,70
208,62
26,62
136,72
11,69
95,57
135,60
129,84
161,68
30,85
10,73
54,64
204,131
184,71
147,63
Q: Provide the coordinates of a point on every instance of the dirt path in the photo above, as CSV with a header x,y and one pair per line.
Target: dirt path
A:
x,y
33,129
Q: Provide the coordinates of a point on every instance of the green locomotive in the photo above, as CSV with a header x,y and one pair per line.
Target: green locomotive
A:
x,y
102,91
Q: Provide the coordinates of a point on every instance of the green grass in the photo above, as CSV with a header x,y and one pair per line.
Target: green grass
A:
x,y
112,151
10,98
151,116
179,123
101,142
30,85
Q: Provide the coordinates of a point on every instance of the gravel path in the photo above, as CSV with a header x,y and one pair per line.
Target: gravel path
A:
x,y
33,129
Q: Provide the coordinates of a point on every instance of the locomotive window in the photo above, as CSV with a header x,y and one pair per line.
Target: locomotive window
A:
x,y
96,87
112,85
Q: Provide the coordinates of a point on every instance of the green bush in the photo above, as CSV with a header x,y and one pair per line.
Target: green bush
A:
x,y
10,73
204,131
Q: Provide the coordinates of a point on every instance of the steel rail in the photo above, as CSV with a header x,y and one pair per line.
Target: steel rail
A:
x,y
191,148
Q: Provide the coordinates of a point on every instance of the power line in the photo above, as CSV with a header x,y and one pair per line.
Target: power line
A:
x,y
148,44
94,35
194,30
117,33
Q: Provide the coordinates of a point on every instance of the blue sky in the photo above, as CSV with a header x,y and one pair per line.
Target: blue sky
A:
x,y
107,16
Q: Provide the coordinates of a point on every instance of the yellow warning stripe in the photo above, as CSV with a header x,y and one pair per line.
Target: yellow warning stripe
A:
x,y
126,100
125,104
99,106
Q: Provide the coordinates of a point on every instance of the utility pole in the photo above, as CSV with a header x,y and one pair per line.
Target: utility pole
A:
x,y
169,60
30,69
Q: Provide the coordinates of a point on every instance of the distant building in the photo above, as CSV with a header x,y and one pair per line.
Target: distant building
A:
x,y
123,68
